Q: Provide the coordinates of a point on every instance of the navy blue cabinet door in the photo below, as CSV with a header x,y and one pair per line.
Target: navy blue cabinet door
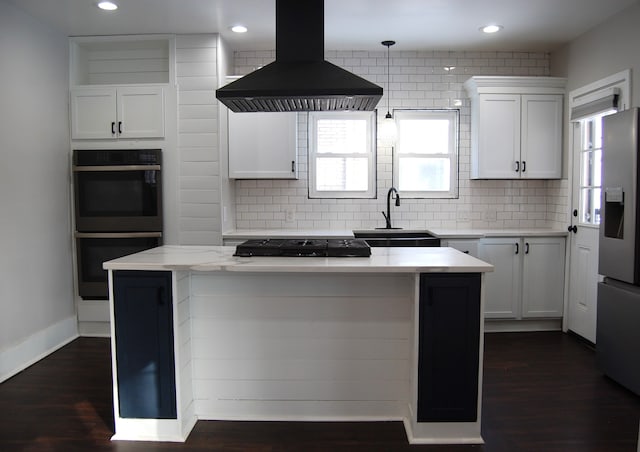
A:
x,y
449,335
144,344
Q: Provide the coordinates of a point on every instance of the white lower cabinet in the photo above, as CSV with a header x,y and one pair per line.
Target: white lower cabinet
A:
x,y
528,280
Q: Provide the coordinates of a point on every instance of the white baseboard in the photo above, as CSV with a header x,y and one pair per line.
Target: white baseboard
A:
x,y
17,358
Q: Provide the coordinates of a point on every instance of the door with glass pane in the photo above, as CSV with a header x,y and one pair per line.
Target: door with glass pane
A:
x,y
583,277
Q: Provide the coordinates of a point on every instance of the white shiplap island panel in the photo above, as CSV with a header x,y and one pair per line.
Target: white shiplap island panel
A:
x,y
302,338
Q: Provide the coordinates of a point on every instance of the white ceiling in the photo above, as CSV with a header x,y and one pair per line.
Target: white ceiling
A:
x,y
534,25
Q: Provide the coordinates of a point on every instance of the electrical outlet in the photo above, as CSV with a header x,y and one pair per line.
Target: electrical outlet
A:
x,y
464,215
289,215
490,215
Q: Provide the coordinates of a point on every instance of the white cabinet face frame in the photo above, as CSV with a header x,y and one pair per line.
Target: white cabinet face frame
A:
x,y
263,145
123,112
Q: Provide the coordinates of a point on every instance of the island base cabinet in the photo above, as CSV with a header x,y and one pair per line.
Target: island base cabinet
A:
x,y
144,344
449,347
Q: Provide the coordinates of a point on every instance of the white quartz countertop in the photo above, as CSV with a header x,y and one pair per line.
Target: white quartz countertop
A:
x,y
220,258
480,233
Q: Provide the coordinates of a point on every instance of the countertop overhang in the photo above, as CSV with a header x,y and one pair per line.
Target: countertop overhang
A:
x,y
221,259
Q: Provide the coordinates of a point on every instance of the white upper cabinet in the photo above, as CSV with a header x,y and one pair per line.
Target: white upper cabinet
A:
x,y
263,145
516,127
123,112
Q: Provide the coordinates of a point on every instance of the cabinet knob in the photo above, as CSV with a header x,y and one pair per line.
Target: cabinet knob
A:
x,y
517,248
573,229
120,127
524,166
293,166
517,166
526,248
113,128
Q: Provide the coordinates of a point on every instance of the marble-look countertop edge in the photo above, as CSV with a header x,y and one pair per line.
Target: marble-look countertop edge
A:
x,y
221,259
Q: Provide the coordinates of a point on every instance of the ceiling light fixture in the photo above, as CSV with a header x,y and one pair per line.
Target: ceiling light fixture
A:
x,y
491,28
107,6
389,125
449,68
239,29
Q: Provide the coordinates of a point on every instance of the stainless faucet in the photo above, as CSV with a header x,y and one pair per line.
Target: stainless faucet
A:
x,y
387,216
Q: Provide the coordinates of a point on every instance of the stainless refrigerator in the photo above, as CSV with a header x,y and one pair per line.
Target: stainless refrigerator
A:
x,y
618,320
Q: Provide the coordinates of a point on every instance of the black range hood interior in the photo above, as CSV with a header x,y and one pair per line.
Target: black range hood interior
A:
x,y
300,79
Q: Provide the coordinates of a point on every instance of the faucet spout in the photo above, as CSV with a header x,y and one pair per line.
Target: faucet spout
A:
x,y
387,216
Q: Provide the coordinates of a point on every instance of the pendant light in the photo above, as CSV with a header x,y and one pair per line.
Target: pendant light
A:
x,y
389,130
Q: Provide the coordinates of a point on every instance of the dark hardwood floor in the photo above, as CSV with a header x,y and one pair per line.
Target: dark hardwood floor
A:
x,y
542,392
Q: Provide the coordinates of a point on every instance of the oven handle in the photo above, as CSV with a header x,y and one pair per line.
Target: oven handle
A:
x,y
117,168
116,235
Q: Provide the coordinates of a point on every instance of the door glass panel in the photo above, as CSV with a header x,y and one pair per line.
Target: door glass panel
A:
x,y
591,169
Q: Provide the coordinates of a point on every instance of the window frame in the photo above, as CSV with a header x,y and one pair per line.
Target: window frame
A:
x,y
371,155
453,115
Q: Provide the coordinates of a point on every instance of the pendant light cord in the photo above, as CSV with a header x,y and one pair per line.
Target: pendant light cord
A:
x,y
388,44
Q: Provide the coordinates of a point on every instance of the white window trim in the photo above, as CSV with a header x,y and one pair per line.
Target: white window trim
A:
x,y
370,193
598,89
454,116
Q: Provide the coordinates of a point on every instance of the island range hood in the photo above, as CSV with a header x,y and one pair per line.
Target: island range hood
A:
x,y
300,79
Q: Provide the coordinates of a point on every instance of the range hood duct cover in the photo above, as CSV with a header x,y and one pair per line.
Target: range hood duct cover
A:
x,y
300,79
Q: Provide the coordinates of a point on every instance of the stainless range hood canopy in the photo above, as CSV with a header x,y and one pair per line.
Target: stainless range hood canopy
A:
x,y
300,79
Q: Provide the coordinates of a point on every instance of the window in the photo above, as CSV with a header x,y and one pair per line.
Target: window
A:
x,y
342,155
591,168
425,161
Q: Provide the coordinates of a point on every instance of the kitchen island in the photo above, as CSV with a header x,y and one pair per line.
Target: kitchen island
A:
x,y
199,334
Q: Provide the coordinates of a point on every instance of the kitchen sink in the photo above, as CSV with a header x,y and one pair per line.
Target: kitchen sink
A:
x,y
397,237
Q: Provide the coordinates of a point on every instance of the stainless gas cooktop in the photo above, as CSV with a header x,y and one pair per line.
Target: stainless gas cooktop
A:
x,y
304,248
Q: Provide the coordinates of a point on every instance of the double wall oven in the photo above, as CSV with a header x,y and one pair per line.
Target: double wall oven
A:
x,y
118,210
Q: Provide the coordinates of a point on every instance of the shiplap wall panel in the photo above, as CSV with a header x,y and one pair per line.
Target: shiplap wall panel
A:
x,y
299,410
313,346
143,65
186,404
196,73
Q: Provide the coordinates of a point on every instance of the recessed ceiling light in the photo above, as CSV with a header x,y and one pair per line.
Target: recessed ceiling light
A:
x,y
107,6
239,29
491,28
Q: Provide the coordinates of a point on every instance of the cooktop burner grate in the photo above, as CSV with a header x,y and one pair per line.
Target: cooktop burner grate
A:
x,y
304,248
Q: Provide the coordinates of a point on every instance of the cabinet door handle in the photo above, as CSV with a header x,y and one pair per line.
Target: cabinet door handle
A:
x,y
120,127
293,166
517,166
524,166
526,248
517,248
113,128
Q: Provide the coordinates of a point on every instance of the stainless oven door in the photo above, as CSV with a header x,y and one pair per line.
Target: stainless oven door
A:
x,y
118,198
95,248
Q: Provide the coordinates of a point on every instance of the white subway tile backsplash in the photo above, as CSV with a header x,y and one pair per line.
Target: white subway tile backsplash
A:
x,y
418,80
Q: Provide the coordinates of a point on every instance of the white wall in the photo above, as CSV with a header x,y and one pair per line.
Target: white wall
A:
x,y
418,80
36,295
606,49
